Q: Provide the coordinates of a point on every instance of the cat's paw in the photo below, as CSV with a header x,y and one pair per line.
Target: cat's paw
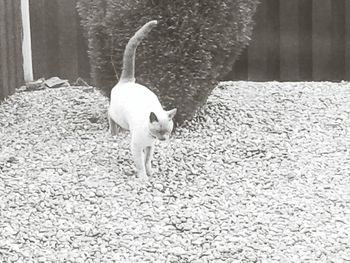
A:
x,y
142,175
139,184
149,171
111,134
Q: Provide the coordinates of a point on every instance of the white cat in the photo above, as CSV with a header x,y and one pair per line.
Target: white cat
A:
x,y
136,108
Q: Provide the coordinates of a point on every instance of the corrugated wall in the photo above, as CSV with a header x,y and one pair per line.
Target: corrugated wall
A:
x,y
293,40
298,40
11,72
58,44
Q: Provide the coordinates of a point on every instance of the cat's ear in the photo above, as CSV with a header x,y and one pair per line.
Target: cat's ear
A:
x,y
172,113
153,117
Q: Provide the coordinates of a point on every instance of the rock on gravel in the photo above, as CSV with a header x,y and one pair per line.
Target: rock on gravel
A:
x,y
260,175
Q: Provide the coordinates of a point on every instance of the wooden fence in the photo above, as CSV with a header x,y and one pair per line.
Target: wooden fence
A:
x,y
58,44
298,40
293,40
11,74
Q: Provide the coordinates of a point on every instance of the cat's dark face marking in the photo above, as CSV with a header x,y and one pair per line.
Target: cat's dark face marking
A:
x,y
153,117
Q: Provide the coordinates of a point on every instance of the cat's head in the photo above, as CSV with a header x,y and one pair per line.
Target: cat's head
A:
x,y
161,124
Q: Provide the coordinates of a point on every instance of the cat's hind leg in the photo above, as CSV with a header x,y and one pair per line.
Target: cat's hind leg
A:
x,y
113,126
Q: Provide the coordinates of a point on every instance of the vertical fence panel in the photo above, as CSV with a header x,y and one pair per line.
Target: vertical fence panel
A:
x,y
16,14
11,68
347,40
3,52
83,58
68,41
240,68
45,46
305,39
337,65
257,52
289,40
272,39
37,25
10,38
52,32
263,52
321,39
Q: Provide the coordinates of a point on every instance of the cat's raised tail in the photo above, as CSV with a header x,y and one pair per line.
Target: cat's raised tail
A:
x,y
128,72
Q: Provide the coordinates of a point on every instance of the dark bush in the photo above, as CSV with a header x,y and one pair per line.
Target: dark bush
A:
x,y
194,45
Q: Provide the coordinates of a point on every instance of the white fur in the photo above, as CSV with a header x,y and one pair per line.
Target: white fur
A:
x,y
136,108
130,108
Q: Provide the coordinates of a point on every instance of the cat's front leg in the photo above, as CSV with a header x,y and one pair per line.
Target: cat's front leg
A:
x,y
148,158
138,156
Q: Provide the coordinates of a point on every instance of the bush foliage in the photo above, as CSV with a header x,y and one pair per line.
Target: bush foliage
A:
x,y
194,45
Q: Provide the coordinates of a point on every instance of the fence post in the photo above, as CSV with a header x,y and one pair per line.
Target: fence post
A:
x,y
26,42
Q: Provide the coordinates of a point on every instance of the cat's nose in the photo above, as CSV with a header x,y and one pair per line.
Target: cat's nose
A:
x,y
162,138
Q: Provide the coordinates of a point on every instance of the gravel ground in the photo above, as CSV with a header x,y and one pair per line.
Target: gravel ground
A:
x,y
260,175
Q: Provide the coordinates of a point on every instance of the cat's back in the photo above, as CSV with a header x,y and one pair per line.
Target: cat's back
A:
x,y
134,100
133,93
